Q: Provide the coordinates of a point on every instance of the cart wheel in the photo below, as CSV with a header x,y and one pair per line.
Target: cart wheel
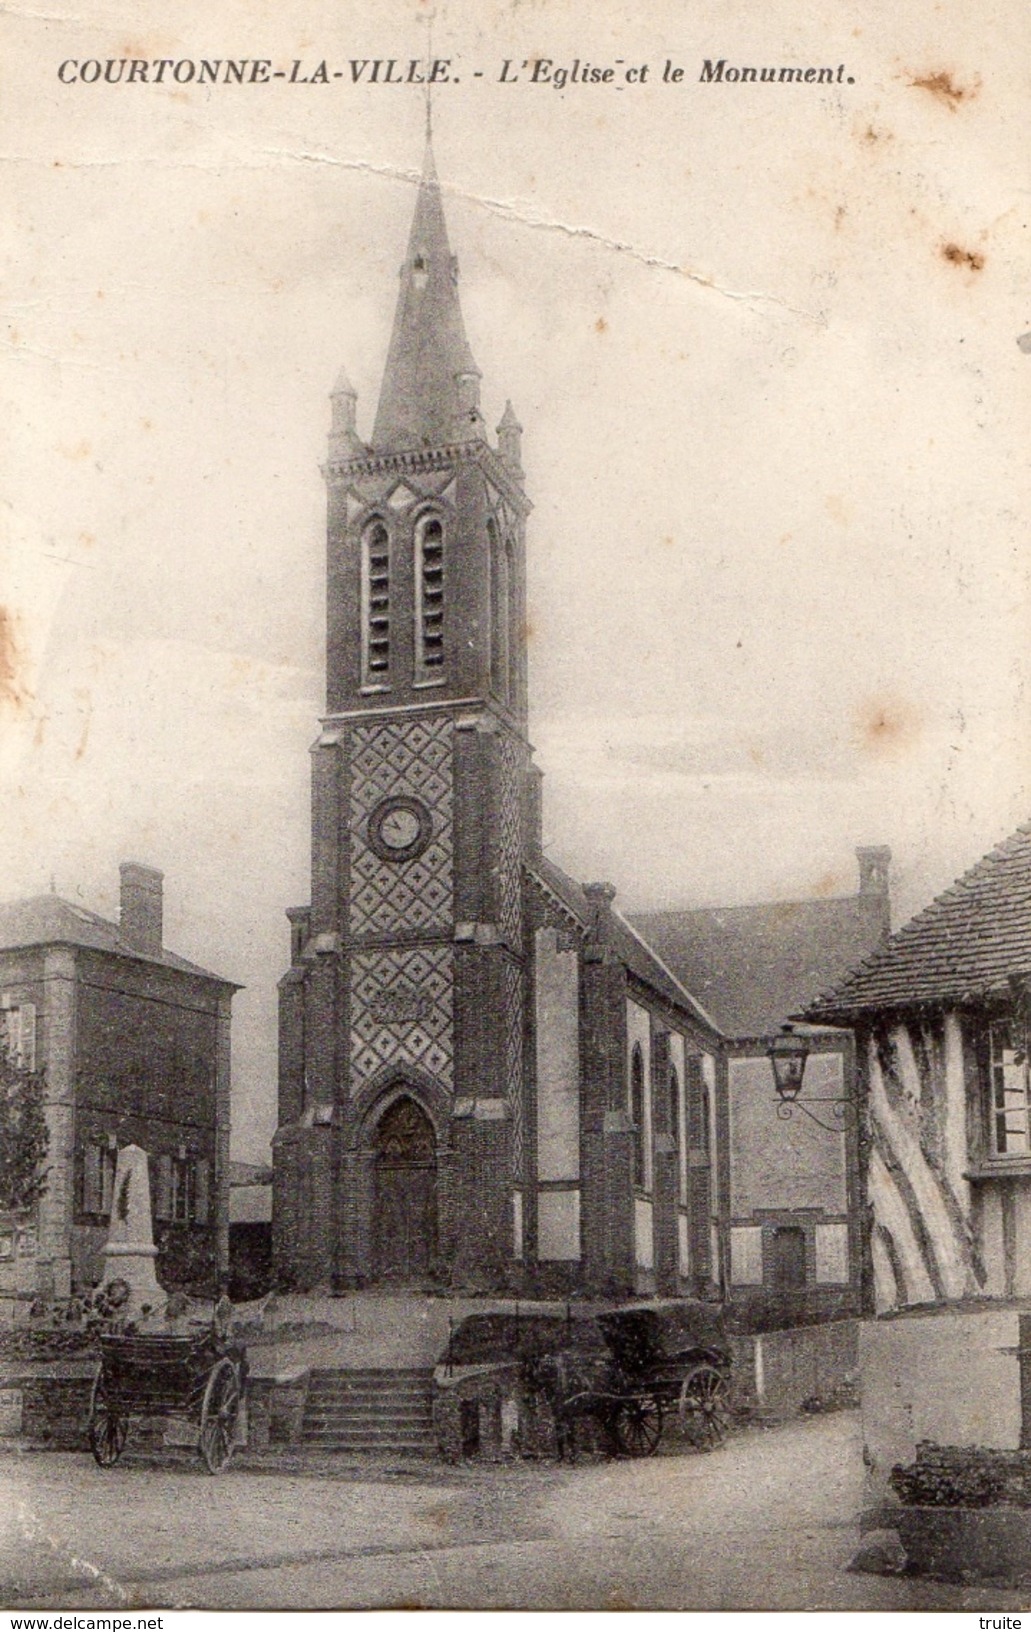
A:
x,y
107,1430
636,1426
218,1416
704,1406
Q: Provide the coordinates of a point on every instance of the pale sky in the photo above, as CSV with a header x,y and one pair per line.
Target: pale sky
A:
x,y
763,342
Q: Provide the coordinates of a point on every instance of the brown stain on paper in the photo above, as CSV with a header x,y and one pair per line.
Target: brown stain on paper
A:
x,y
886,726
12,690
970,259
945,88
828,884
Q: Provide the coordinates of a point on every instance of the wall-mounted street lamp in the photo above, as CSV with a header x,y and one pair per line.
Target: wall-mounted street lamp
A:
x,y
788,1053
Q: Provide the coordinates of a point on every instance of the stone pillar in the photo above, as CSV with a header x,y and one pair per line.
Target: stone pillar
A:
x,y
222,1116
57,1202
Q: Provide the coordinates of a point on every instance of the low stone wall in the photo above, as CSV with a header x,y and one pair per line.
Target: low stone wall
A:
x,y
47,1406
275,1410
778,1375
949,1375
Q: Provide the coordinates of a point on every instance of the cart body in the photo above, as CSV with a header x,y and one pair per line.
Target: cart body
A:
x,y
197,1377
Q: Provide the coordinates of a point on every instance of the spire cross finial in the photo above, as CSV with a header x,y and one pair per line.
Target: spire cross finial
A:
x,y
429,77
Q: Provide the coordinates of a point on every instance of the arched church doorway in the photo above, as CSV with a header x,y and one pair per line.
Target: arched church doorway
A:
x,y
404,1217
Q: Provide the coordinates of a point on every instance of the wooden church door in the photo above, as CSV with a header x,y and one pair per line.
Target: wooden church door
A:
x,y
405,1208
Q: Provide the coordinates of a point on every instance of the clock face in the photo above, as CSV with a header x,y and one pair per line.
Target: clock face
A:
x,y
399,829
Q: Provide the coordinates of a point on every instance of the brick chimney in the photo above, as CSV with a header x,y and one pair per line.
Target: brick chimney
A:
x,y
141,907
874,860
874,886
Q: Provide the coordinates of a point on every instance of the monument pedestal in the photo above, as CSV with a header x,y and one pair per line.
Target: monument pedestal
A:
x,y
130,1251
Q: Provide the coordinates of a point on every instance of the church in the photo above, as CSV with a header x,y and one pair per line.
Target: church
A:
x,y
488,1081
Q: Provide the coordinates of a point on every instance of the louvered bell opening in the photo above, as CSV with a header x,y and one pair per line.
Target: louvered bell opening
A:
x,y
379,603
433,596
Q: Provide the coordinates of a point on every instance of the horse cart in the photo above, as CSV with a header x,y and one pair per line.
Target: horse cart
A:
x,y
196,1378
631,1371
654,1366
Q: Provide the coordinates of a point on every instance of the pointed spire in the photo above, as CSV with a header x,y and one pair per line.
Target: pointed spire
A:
x,y
344,441
510,440
431,384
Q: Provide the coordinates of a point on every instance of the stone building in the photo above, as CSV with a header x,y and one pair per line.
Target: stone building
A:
x,y
789,1213
134,1044
487,1077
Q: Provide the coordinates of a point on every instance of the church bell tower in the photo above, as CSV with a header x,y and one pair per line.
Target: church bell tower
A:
x,y
399,1157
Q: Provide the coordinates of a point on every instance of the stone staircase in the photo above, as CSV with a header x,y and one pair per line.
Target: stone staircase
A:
x,y
387,1412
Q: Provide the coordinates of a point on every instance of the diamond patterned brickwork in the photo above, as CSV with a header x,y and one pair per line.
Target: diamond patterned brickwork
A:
x,y
402,1012
412,757
512,986
510,837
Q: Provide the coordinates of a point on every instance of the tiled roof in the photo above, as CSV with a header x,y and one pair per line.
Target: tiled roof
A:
x,y
965,944
48,920
625,937
752,967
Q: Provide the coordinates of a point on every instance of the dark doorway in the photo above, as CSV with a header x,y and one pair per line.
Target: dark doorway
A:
x,y
405,1210
788,1258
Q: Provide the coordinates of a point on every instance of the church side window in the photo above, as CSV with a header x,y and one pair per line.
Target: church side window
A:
x,y
375,605
429,601
511,642
637,1114
500,595
676,1132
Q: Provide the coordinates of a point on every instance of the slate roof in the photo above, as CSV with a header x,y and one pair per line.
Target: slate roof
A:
x,y
49,920
752,967
964,945
419,400
626,939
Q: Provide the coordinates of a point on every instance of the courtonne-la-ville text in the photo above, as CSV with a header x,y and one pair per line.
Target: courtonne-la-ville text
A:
x,y
618,74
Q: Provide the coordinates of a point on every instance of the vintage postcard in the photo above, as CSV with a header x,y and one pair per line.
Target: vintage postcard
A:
x,y
514,617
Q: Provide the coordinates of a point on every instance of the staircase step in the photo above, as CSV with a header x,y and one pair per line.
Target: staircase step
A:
x,y
388,1412
371,1433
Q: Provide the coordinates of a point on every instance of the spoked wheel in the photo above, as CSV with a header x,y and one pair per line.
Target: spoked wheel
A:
x,y
218,1416
107,1430
636,1426
704,1406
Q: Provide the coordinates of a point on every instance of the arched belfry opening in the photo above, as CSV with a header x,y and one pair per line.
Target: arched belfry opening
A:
x,y
404,1213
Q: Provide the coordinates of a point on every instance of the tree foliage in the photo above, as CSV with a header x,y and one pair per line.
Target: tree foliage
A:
x,y
24,1136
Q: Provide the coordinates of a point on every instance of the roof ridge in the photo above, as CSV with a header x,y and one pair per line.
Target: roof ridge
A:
x,y
667,971
937,922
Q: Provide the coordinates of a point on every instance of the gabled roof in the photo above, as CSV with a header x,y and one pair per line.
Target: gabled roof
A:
x,y
752,967
964,945
420,404
622,936
49,920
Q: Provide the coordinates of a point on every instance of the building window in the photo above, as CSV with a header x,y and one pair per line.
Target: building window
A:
x,y
637,1115
18,1031
375,605
1009,1090
429,600
183,1188
97,1177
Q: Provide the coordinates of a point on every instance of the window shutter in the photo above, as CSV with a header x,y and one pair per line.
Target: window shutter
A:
x,y
27,1040
12,1032
203,1191
163,1196
108,1161
91,1193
